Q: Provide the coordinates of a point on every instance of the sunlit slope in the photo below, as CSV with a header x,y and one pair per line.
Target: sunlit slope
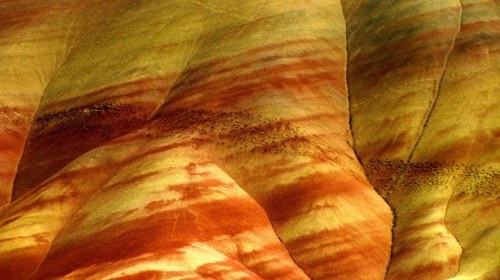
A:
x,y
111,83
35,38
167,211
440,175
214,139
474,80
227,118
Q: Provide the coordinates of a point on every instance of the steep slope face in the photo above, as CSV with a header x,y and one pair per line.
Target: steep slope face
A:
x,y
211,139
473,209
227,118
436,162
35,37
115,78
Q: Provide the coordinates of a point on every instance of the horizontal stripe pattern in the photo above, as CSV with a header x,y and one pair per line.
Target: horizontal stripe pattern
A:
x,y
397,55
202,209
292,197
192,140
218,110
453,153
28,38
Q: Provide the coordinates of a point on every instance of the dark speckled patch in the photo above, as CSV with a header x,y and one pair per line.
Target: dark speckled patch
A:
x,y
432,175
240,131
57,139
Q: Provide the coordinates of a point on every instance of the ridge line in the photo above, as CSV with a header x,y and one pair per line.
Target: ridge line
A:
x,y
438,85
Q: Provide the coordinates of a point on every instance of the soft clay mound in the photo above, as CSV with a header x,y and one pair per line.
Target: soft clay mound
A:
x,y
263,139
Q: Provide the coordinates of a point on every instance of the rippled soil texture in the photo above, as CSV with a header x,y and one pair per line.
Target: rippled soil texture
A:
x,y
266,139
